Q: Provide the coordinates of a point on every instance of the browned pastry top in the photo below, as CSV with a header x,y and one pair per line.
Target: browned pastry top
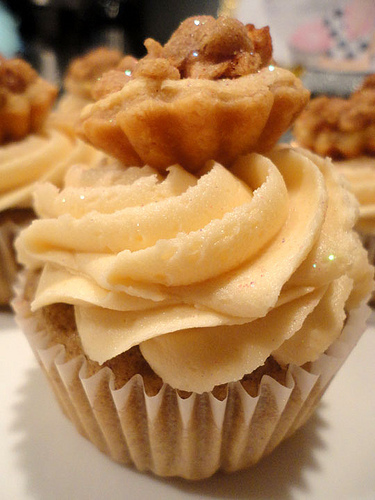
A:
x,y
25,99
203,47
339,127
85,70
211,92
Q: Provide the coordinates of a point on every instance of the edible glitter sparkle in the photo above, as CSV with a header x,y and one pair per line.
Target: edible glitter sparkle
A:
x,y
331,257
128,72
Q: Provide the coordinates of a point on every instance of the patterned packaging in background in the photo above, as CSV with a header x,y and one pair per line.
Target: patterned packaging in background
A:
x,y
333,41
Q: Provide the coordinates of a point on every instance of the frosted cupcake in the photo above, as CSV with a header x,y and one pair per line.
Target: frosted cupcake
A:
x,y
31,150
190,321
344,129
81,75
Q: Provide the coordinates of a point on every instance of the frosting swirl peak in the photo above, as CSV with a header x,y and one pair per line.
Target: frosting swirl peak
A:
x,y
214,272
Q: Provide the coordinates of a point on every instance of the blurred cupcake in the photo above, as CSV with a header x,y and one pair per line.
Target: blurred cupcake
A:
x,y
344,129
189,322
31,150
82,74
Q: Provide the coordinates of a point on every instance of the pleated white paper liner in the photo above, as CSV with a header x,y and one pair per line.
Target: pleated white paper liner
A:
x,y
192,437
11,222
368,241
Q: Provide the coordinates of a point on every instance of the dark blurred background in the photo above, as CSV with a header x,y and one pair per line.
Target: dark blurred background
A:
x,y
330,44
51,32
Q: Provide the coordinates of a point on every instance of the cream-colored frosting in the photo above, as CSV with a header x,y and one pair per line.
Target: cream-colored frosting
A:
x,y
209,274
38,158
360,173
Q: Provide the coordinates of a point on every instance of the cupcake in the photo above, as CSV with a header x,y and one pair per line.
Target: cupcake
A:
x,y
344,129
81,75
190,319
31,150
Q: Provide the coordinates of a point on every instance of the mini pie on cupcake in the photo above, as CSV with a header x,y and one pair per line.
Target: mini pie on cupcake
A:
x,y
344,129
213,85
189,321
31,150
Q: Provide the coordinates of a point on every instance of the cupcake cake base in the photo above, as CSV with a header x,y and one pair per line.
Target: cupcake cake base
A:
x,y
170,433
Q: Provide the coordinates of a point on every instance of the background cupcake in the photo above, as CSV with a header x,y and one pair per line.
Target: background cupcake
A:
x,y
344,129
31,150
81,76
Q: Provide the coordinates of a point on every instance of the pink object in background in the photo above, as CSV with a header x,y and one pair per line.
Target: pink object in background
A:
x,y
359,18
341,38
333,41
312,37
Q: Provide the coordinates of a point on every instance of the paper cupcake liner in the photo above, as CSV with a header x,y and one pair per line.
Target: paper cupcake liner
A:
x,y
368,241
9,268
190,437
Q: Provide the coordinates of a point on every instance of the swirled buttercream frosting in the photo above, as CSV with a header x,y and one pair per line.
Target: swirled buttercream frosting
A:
x,y
37,158
210,274
360,173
